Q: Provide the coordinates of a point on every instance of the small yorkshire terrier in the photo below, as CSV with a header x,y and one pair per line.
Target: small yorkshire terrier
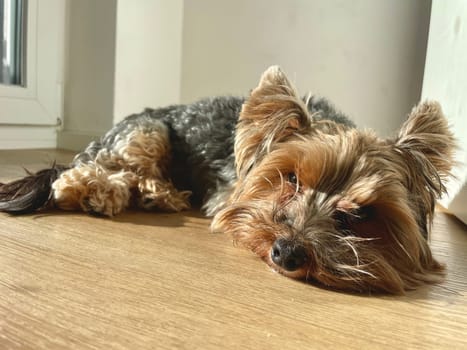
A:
x,y
289,178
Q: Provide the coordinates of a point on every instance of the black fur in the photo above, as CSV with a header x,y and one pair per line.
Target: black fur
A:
x,y
202,138
30,193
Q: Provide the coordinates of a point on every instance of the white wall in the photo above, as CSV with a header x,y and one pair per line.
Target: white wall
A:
x,y
123,56
89,78
148,55
446,80
365,55
89,81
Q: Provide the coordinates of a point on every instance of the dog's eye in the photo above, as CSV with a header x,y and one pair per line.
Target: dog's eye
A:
x,y
364,213
292,178
361,214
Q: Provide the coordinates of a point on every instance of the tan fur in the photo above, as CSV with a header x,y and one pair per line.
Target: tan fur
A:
x,y
272,112
94,189
138,164
161,194
339,170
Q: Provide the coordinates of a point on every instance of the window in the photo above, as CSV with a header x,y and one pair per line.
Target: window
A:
x,y
32,53
13,15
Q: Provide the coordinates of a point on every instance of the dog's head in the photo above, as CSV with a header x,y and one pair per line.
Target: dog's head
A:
x,y
317,200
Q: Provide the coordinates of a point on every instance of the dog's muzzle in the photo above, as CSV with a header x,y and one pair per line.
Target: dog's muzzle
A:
x,y
288,255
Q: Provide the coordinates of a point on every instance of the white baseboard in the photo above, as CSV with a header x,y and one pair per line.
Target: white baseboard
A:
x,y
458,205
33,137
76,140
23,137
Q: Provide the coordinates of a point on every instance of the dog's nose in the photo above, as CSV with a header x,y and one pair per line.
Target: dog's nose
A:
x,y
287,254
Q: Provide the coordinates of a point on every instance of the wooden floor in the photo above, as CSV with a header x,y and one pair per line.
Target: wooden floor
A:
x,y
157,281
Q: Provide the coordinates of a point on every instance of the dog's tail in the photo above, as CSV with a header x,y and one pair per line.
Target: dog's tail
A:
x,y
30,193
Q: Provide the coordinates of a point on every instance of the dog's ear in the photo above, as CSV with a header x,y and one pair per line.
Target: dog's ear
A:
x,y
271,114
426,138
427,146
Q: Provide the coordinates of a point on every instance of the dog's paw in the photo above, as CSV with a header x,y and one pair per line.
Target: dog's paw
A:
x,y
96,191
162,195
109,196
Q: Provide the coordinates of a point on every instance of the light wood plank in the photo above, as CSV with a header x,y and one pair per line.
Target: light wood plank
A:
x,y
162,281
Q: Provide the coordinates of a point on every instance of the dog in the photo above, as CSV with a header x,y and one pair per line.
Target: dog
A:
x,y
289,178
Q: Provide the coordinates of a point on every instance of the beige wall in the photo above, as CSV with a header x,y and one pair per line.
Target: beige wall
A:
x,y
366,55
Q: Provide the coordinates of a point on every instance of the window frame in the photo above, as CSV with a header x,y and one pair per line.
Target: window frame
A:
x,y
40,101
